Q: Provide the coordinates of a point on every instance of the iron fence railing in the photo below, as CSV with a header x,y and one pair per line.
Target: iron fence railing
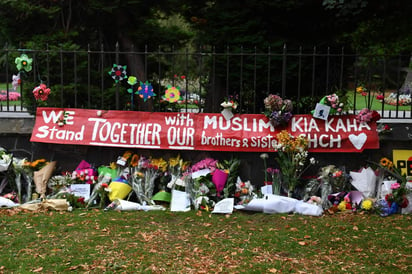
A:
x,y
205,77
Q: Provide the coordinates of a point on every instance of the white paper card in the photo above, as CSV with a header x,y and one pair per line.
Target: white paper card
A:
x,y
228,114
224,206
321,111
266,189
180,201
199,173
81,190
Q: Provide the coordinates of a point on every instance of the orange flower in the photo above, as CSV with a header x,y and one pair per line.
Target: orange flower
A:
x,y
135,160
385,162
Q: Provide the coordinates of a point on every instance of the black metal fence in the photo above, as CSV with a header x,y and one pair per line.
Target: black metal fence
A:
x,y
206,76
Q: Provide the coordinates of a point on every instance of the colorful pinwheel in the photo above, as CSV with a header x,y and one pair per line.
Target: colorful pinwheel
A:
x,y
132,80
41,92
172,94
118,73
146,91
24,63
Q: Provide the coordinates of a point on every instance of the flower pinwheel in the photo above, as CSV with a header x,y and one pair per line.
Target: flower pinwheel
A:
x,y
146,91
41,92
24,63
172,94
132,80
118,73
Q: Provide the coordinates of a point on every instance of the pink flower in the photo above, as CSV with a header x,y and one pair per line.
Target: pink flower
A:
x,y
395,186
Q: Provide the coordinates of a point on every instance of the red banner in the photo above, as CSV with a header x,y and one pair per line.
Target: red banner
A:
x,y
197,131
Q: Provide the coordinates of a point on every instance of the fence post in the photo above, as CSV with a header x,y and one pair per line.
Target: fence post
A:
x,y
61,78
299,73
313,70
117,85
268,81
254,81
284,71
88,76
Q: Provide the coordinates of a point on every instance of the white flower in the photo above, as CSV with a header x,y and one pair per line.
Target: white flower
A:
x,y
264,156
180,182
99,113
226,105
312,161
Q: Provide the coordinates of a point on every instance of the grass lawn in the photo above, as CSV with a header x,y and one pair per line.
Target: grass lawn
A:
x,y
376,104
95,241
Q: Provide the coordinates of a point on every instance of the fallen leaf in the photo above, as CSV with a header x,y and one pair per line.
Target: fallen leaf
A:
x,y
38,269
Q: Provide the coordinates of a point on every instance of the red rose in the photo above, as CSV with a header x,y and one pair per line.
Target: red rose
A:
x,y
104,185
405,202
375,116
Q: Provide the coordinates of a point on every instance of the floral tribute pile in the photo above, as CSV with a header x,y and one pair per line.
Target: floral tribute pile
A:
x,y
137,182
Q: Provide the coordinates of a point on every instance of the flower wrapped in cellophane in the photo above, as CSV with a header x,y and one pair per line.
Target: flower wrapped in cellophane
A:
x,y
177,169
58,183
201,187
244,191
292,154
5,160
143,177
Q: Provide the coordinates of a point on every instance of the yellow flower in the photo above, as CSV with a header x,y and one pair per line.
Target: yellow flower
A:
x,y
385,162
360,89
174,161
160,163
367,204
342,206
113,165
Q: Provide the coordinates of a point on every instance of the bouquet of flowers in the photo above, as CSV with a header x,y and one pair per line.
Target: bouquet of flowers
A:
x,y
278,110
292,154
396,199
244,191
177,168
144,175
201,189
59,182
5,160
203,192
336,177
366,115
275,176
332,100
229,105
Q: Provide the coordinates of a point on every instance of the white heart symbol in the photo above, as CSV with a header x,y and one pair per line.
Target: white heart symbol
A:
x,y
358,140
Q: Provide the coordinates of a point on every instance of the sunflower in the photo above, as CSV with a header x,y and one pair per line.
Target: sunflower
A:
x,y
385,162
